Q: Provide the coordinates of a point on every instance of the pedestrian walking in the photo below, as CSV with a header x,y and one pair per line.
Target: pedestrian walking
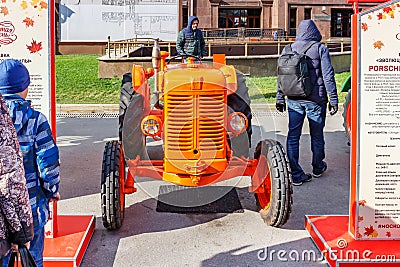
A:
x,y
190,40
314,106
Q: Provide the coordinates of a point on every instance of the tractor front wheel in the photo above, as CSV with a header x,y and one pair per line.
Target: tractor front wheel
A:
x,y
274,198
112,186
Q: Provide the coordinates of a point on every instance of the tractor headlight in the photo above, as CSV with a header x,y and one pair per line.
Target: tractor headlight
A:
x,y
237,123
151,125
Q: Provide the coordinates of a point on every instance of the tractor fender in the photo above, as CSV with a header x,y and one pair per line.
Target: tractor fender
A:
x,y
138,79
230,76
141,86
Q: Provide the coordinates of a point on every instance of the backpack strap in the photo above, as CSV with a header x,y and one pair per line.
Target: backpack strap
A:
x,y
306,47
288,48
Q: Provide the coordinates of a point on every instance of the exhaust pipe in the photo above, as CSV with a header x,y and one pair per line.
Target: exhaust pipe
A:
x,y
155,60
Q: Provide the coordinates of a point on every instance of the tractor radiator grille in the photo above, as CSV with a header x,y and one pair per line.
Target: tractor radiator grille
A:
x,y
194,123
180,125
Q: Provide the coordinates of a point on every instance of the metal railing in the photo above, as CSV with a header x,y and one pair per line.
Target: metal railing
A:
x,y
244,34
248,45
123,48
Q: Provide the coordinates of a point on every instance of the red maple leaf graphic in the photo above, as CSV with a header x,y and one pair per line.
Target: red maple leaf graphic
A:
x,y
28,22
368,230
388,234
35,47
387,9
362,202
379,16
364,26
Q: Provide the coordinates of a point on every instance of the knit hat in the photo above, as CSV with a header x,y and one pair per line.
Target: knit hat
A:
x,y
14,77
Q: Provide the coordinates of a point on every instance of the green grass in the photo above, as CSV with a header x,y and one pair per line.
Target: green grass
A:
x,y
263,89
77,83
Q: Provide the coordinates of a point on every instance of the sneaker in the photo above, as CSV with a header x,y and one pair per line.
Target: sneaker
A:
x,y
306,177
318,173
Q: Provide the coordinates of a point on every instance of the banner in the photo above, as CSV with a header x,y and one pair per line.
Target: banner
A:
x,y
25,35
378,175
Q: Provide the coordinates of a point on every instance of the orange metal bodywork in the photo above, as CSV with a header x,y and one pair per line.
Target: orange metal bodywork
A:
x,y
237,167
194,119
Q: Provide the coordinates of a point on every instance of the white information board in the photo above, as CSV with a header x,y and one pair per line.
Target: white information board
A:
x,y
24,35
120,19
378,178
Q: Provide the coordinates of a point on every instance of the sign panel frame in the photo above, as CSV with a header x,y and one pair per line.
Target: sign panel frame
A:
x,y
373,214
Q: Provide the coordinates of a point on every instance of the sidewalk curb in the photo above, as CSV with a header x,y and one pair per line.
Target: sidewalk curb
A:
x,y
87,108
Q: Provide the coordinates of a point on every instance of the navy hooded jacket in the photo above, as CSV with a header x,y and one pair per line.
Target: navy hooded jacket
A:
x,y
191,42
320,66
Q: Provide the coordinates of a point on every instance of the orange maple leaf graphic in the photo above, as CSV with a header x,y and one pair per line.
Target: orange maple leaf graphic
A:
x,y
43,5
378,44
4,10
35,47
360,218
362,202
369,17
388,234
369,230
364,26
3,1
28,22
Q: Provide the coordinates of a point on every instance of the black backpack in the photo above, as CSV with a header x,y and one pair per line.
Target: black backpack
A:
x,y
293,75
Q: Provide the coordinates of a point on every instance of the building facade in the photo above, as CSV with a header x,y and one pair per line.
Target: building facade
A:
x,y
331,16
85,26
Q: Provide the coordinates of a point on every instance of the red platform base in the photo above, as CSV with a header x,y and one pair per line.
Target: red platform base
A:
x,y
73,237
330,234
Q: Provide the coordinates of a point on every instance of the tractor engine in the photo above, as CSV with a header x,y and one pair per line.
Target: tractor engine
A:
x,y
195,110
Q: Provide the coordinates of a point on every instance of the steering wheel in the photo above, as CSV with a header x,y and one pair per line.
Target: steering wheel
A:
x,y
183,57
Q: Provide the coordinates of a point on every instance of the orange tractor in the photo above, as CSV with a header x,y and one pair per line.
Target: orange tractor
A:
x,y
200,111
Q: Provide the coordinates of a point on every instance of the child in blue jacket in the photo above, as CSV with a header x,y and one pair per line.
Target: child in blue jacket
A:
x,y
40,153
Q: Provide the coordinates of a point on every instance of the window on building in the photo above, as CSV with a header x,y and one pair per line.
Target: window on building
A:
x,y
253,18
185,16
292,22
340,23
307,13
233,18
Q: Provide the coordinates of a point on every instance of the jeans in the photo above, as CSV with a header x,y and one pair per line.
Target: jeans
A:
x,y
316,115
36,249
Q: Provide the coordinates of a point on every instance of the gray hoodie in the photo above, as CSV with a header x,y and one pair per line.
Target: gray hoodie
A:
x,y
320,66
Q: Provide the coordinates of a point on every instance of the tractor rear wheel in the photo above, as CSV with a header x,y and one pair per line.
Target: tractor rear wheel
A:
x,y
126,95
275,203
112,184
133,140
240,102
347,115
